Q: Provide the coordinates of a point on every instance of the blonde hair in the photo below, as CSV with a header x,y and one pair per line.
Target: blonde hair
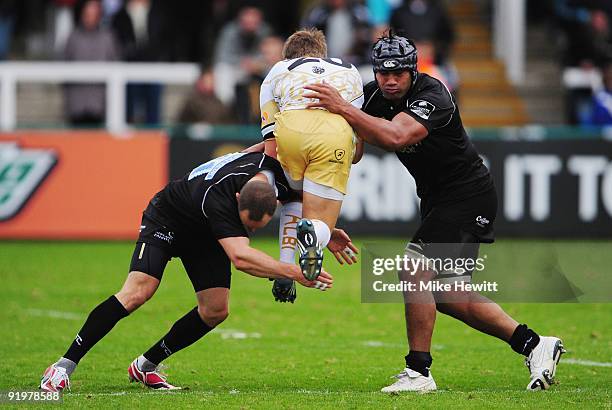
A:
x,y
305,43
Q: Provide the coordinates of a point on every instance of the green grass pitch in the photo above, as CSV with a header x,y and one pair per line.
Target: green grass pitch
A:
x,y
328,350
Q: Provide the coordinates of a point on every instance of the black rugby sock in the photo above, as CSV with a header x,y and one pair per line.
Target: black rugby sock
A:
x,y
99,322
419,362
185,331
523,340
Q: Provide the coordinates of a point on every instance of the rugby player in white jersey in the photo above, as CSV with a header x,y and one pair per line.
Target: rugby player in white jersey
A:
x,y
315,148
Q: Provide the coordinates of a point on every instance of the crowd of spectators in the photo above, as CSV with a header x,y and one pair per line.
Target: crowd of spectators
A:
x,y
586,56
235,42
88,41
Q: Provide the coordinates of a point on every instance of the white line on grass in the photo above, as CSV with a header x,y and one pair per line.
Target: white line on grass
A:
x,y
125,393
377,343
586,362
236,334
205,393
55,314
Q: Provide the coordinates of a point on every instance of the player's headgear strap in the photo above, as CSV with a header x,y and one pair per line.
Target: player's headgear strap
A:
x,y
394,53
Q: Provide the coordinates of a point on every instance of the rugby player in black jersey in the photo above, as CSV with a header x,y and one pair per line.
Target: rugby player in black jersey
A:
x,y
416,116
204,219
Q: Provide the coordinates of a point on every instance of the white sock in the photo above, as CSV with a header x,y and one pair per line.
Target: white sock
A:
x,y
145,365
290,214
322,231
67,364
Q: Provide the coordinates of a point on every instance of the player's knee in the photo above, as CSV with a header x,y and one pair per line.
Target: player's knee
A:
x,y
453,308
135,300
213,315
132,300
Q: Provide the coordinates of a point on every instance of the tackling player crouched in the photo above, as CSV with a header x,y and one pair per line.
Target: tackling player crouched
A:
x,y
204,219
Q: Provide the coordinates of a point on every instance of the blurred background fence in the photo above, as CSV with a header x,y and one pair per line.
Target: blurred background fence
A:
x,y
102,101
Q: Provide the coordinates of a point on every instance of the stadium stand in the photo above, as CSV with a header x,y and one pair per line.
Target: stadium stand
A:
x,y
486,96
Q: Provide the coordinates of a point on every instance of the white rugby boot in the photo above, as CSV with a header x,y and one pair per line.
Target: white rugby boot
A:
x,y
55,379
153,379
543,361
409,380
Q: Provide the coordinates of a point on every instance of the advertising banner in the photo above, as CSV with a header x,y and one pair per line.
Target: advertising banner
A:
x,y
552,188
90,185
78,185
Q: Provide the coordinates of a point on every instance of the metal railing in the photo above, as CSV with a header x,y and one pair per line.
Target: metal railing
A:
x,y
114,75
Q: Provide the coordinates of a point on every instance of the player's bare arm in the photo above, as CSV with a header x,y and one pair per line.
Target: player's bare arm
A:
x,y
393,135
270,147
259,147
257,263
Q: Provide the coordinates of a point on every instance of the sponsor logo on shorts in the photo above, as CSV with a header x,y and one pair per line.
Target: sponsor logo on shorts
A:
x,y
422,108
22,170
482,221
169,237
338,156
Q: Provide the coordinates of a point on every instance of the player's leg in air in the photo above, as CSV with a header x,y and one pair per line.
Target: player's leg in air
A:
x,y
316,150
340,244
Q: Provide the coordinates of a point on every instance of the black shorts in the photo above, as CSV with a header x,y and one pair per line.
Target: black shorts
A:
x,y
204,259
456,230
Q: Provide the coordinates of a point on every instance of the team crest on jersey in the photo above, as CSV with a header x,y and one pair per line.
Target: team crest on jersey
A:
x,y
318,70
422,108
22,170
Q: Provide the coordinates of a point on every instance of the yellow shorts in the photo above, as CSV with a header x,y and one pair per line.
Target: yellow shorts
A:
x,y
317,145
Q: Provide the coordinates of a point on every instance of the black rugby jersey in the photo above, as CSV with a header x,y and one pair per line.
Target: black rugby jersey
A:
x,y
205,199
445,164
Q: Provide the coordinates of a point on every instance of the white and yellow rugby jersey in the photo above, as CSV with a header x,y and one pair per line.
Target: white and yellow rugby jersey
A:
x,y
283,87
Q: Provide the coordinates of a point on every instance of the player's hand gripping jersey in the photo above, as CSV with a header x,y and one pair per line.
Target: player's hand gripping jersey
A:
x,y
311,143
